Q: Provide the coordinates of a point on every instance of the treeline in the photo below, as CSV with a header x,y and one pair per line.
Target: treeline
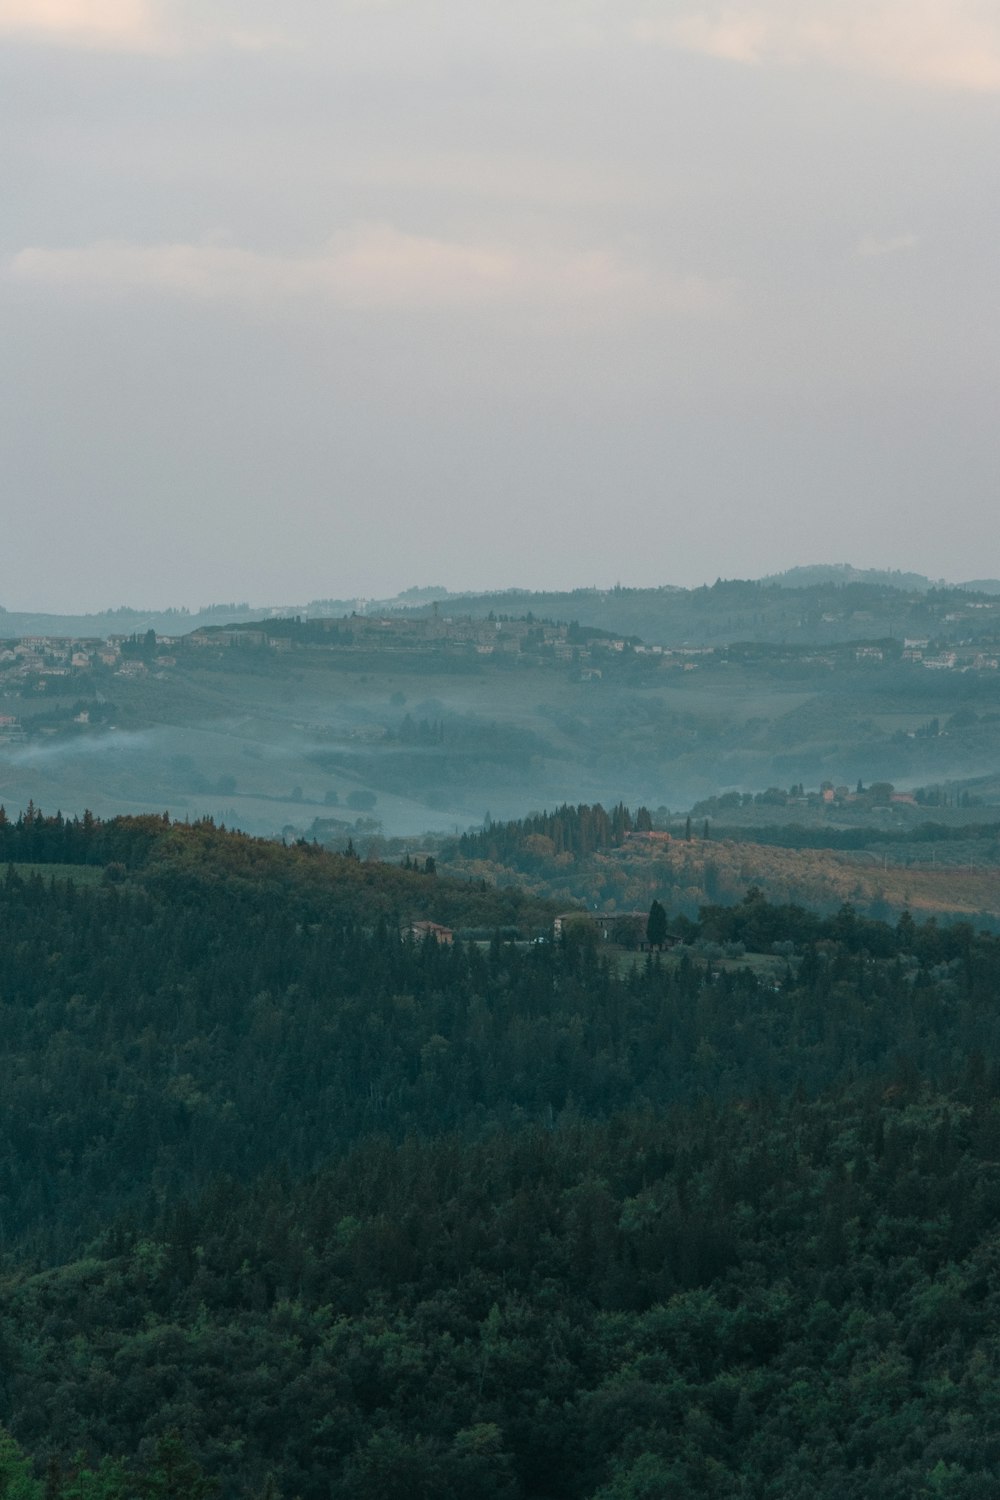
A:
x,y
798,836
469,733
579,830
303,632
36,838
153,848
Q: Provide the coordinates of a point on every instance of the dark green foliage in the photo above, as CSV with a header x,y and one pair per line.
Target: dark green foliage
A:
x,y
572,830
656,925
55,840
782,1297
171,1474
795,836
294,1205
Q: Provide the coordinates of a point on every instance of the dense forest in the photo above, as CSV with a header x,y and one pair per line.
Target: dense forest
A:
x,y
579,830
294,1204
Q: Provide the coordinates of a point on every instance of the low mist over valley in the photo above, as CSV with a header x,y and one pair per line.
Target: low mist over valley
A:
x,y
432,714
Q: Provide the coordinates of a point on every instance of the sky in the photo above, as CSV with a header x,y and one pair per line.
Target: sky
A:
x,y
338,297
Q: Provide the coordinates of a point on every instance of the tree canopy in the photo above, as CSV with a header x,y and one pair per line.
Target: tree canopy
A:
x,y
294,1204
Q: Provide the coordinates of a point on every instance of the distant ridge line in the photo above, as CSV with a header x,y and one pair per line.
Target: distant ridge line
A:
x,y
175,620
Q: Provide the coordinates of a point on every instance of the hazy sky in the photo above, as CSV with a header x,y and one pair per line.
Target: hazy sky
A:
x,y
338,296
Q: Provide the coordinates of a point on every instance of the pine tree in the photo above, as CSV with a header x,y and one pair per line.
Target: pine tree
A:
x,y
656,925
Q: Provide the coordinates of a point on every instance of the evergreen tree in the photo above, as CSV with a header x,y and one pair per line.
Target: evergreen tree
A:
x,y
656,925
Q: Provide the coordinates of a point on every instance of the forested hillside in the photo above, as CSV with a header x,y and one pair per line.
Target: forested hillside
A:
x,y
612,860
295,1205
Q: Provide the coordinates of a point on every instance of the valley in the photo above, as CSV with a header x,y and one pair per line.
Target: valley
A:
x,y
423,722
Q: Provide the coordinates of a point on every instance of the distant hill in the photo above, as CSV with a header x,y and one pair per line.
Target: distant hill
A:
x,y
15,624
809,611
820,573
817,574
818,602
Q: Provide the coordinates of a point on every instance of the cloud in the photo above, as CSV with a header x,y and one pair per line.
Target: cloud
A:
x,y
130,26
369,266
115,25
872,245
943,43
376,266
